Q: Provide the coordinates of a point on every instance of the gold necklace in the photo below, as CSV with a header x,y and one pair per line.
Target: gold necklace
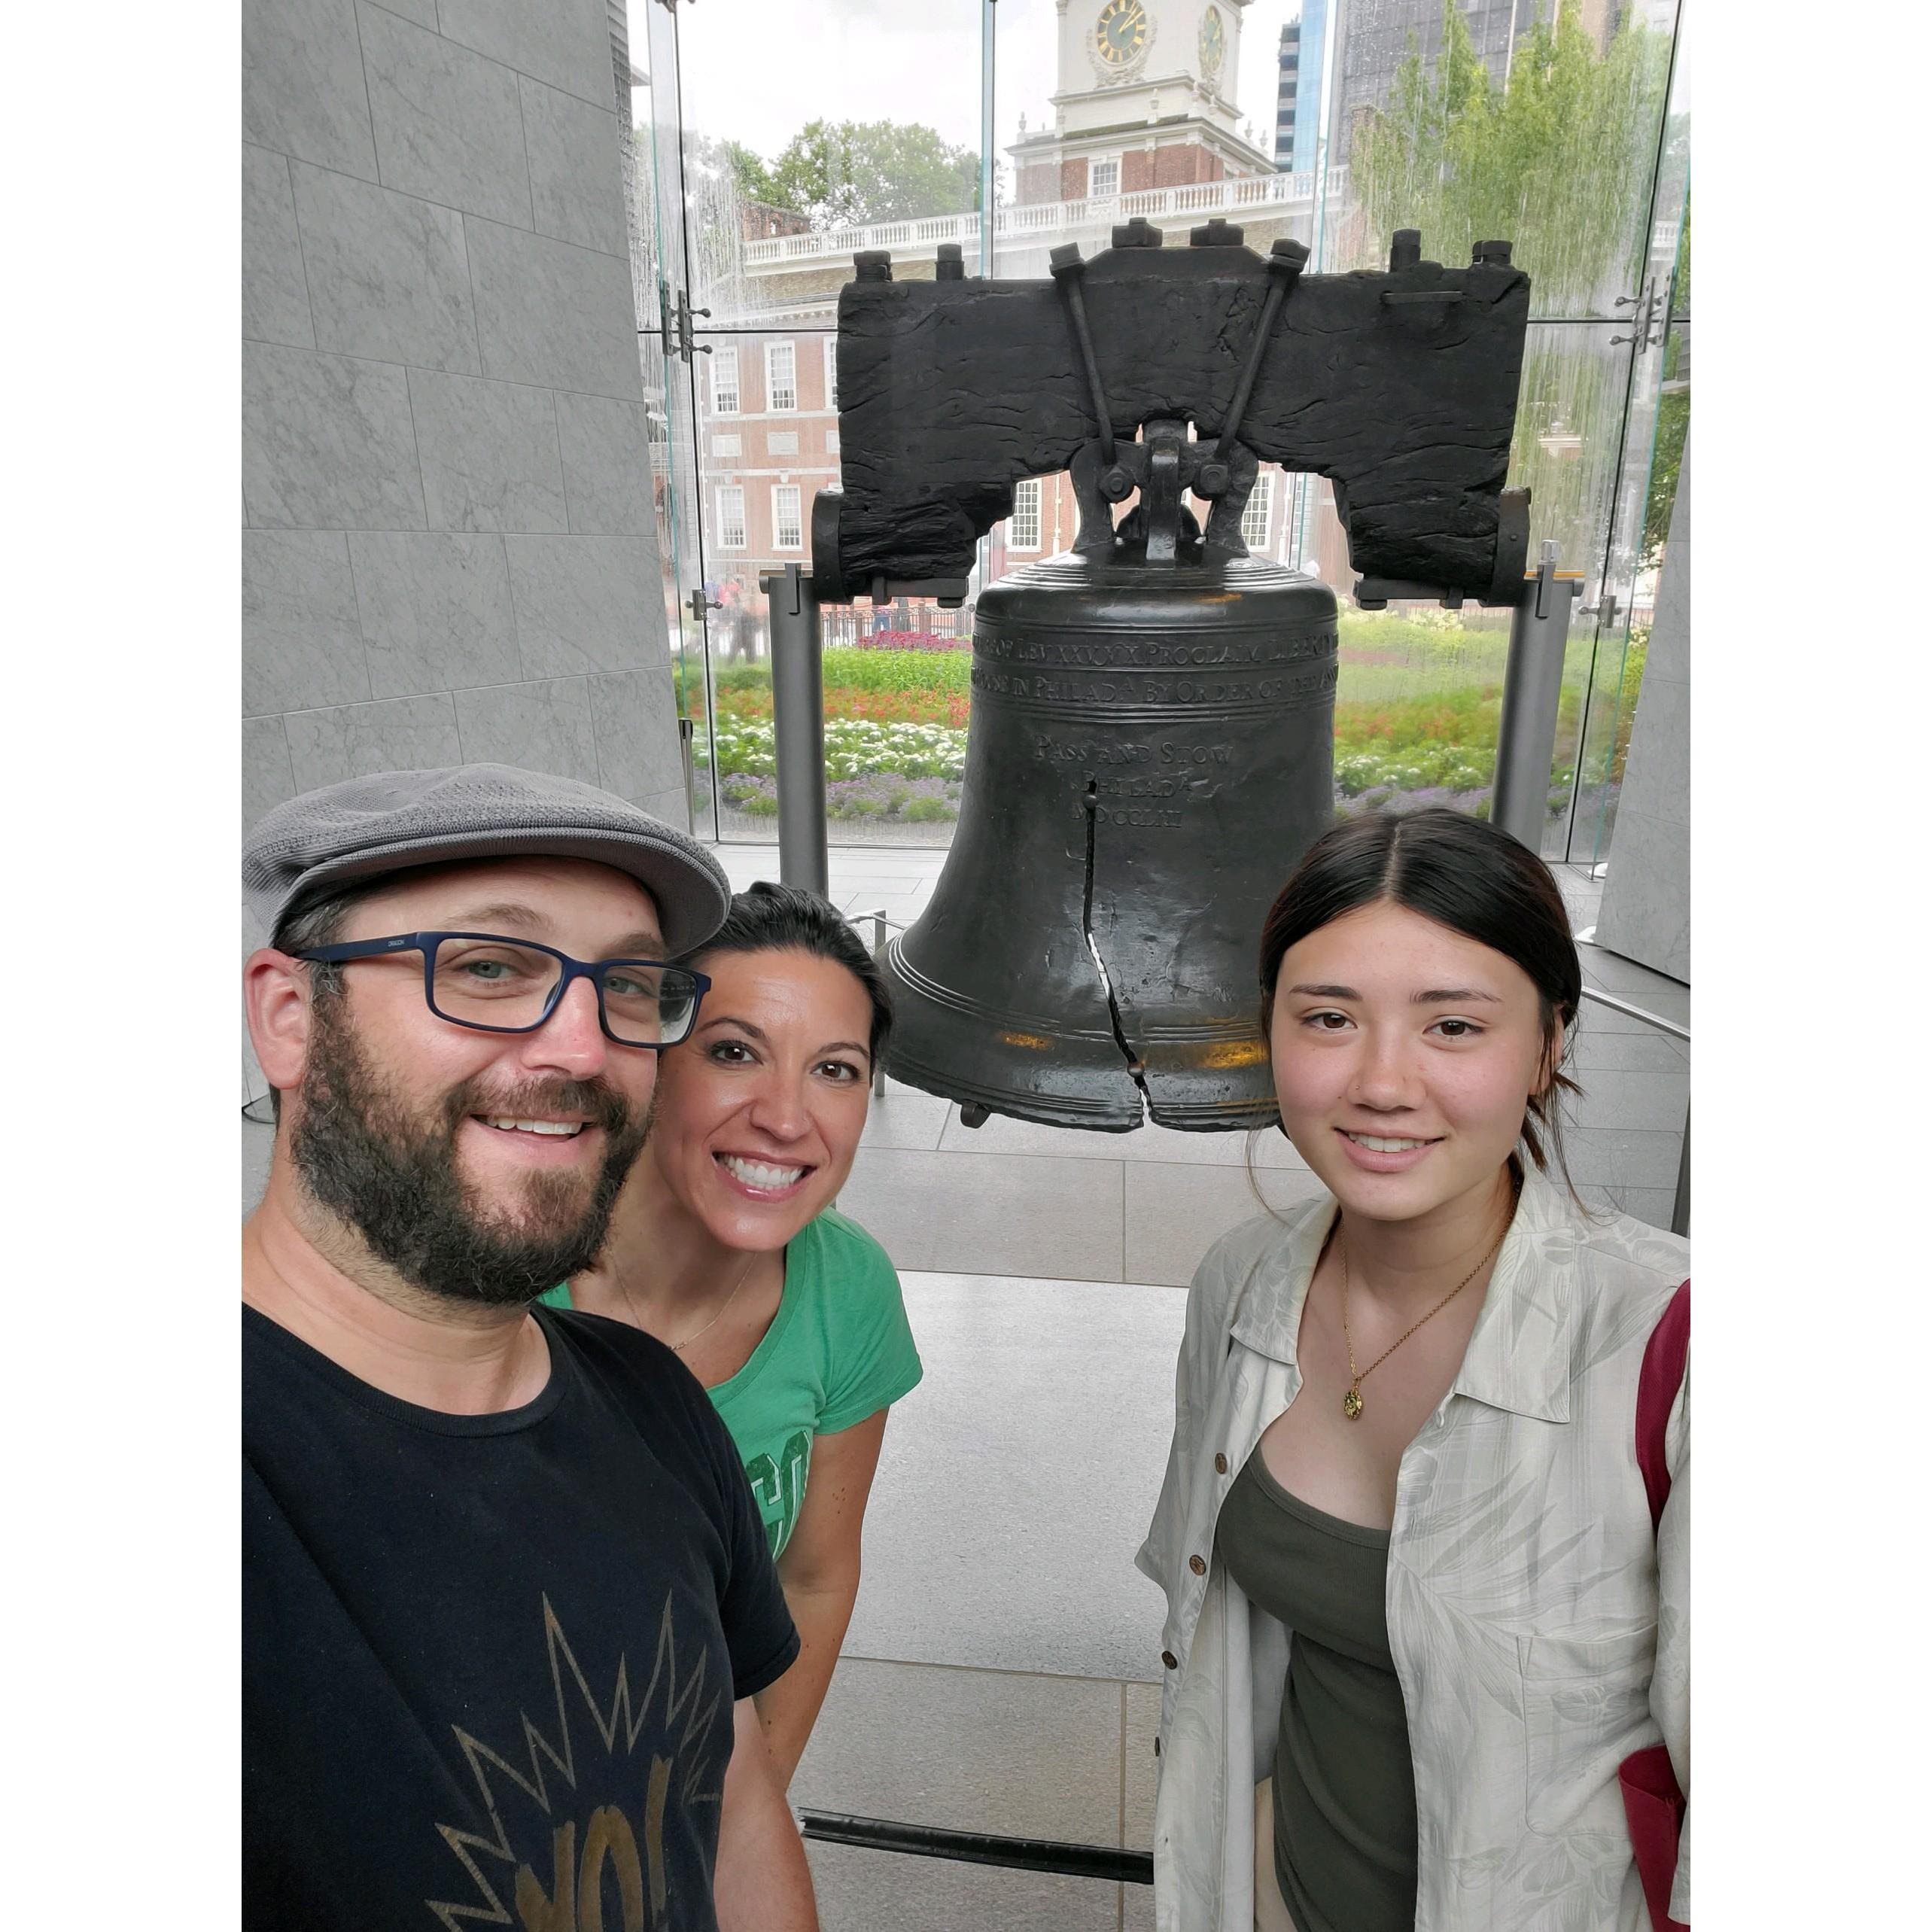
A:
x,y
678,1348
1351,1401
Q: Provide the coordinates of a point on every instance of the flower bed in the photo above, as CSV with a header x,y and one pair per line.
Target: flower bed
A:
x,y
888,797
907,640
1418,723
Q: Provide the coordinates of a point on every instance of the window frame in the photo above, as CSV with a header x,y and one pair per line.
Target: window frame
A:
x,y
797,495
724,355
1263,497
772,404
1025,484
744,542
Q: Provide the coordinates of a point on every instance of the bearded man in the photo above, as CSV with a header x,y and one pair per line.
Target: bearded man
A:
x,y
506,1594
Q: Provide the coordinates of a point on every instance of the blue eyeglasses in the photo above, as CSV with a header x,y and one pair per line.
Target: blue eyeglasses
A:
x,y
512,986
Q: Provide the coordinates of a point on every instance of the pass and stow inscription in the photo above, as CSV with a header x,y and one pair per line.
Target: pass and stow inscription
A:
x,y
1213,671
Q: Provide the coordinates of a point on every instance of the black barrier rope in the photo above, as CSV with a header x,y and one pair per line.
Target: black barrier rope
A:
x,y
980,1848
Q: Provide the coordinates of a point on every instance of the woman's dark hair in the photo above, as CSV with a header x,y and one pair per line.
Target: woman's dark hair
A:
x,y
775,918
1463,874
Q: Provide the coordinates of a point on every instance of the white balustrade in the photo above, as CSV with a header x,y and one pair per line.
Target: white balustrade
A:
x,y
1253,193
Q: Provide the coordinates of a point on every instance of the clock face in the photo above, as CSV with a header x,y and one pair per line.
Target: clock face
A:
x,y
1122,31
1213,43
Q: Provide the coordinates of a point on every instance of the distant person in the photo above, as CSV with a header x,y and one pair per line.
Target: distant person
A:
x,y
1429,1423
724,1246
507,1599
735,621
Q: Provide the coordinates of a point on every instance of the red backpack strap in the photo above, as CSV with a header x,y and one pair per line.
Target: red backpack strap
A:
x,y
1658,1384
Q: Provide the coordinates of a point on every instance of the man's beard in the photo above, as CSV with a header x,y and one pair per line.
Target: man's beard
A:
x,y
393,1177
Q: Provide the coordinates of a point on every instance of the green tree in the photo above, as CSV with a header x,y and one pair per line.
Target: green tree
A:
x,y
1559,162
849,174
1673,412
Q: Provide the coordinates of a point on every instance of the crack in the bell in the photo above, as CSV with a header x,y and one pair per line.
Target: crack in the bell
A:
x,y
1137,1068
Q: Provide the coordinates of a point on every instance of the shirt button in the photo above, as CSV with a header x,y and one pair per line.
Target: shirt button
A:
x,y
1168,1658
1220,1464
1195,1564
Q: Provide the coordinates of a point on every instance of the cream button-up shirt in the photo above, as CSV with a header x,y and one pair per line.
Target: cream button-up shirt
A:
x,y
1540,1631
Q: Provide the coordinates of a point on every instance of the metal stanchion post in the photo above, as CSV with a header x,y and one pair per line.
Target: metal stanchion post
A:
x,y
798,723
1533,685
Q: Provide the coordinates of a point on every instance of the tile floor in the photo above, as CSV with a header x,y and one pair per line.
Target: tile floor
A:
x,y
999,1674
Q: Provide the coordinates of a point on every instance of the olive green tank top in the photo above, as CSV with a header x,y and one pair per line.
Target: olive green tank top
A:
x,y
1344,1782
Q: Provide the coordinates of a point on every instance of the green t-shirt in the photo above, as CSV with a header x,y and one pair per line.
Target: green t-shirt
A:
x,y
839,1349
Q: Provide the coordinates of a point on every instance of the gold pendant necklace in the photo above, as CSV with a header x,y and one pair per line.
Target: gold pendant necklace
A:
x,y
678,1348
1351,1400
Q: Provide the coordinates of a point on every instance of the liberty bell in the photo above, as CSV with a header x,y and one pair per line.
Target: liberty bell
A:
x,y
1150,749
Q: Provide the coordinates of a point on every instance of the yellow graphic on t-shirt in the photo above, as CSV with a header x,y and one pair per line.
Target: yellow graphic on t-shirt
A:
x,y
560,1875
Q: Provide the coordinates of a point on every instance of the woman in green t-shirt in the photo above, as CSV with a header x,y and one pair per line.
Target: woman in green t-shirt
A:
x,y
724,1247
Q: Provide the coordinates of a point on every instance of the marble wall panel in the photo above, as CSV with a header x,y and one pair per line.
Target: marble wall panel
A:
x,y
301,644
550,313
607,466
575,169
635,714
675,808
565,42
401,734
448,124
423,12
1646,910
436,614
1648,919
489,454
301,86
388,276
267,777
326,442
275,295
543,727
584,603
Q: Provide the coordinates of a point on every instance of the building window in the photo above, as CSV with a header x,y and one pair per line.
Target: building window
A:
x,y
1104,177
831,372
781,442
832,442
1260,504
731,517
1023,529
787,532
727,445
781,375
724,381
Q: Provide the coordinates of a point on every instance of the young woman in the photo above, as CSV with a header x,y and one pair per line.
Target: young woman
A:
x,y
1405,1431
724,1247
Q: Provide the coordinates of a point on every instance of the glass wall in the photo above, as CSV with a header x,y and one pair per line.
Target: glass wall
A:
x,y
772,148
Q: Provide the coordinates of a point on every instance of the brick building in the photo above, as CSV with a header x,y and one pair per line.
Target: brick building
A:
x,y
1145,123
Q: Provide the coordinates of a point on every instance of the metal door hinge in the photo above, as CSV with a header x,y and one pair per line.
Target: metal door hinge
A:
x,y
680,336
1650,325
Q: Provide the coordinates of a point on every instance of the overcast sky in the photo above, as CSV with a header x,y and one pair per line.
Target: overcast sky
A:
x,y
757,70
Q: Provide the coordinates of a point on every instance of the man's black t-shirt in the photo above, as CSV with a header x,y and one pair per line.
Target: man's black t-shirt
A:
x,y
489,1661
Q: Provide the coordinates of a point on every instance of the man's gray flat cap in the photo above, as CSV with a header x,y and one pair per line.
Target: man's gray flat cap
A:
x,y
392,819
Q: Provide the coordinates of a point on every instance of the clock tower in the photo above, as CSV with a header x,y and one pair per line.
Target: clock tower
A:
x,y
1146,99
